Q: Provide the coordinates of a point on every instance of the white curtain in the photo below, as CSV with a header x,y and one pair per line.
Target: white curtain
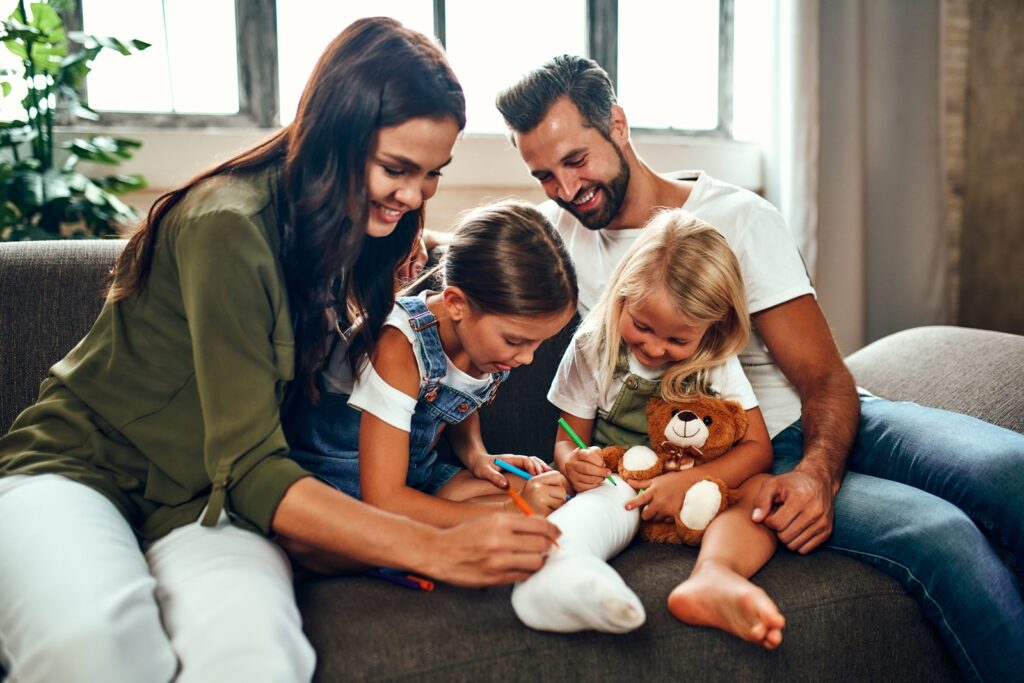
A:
x,y
791,152
881,243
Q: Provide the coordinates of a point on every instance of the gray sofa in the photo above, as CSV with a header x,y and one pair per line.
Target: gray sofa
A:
x,y
845,620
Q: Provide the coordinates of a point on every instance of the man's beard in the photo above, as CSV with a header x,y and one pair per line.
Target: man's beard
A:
x,y
614,193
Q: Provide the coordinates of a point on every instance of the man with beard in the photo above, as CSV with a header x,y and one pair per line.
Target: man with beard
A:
x,y
946,474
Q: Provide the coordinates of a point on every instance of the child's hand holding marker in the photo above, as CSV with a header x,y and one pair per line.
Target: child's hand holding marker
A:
x,y
485,466
522,505
585,469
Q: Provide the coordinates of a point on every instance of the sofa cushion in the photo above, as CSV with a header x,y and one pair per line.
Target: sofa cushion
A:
x,y
844,621
52,292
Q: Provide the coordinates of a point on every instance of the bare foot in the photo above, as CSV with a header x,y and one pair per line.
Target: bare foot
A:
x,y
714,595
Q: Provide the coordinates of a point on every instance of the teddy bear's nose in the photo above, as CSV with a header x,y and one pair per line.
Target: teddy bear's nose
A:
x,y
687,416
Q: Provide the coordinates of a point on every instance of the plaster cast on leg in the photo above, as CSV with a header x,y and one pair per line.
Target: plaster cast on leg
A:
x,y
576,590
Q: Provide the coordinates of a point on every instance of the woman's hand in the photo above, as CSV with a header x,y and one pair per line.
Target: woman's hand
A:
x,y
662,496
482,466
546,492
492,550
585,469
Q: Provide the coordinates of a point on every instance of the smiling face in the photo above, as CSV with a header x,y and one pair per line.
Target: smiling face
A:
x,y
583,171
404,168
656,333
495,343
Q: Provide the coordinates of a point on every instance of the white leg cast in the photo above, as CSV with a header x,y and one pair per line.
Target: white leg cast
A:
x,y
576,590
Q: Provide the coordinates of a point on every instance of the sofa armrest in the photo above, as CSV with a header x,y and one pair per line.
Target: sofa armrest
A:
x,y
975,372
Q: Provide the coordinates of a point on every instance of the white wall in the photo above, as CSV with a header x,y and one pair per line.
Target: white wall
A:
x,y
484,167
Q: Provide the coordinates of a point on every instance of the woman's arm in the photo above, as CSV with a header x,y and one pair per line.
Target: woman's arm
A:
x,y
327,530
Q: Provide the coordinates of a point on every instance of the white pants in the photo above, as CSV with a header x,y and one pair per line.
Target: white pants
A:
x,y
80,601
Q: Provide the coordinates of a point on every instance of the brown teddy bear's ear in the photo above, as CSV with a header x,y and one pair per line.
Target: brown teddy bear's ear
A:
x,y
739,418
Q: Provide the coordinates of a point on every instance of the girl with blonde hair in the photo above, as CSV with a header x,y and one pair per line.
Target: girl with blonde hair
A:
x,y
669,323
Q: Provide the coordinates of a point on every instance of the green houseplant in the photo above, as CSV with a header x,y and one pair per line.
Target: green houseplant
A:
x,y
42,194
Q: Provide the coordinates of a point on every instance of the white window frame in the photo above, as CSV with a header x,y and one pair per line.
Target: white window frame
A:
x,y
258,105
176,145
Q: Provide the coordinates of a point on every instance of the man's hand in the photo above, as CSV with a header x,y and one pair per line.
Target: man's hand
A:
x,y
798,506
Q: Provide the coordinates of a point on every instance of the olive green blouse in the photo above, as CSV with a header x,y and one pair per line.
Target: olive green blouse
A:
x,y
171,402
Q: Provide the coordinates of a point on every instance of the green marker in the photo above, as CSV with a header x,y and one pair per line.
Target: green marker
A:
x,y
579,442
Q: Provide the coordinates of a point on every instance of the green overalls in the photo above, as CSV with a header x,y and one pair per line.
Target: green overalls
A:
x,y
626,422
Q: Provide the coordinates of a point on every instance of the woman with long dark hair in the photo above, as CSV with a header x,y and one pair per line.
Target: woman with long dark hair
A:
x,y
163,425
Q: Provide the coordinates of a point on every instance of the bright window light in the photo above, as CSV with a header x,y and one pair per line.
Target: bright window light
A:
x,y
754,69
668,63
305,27
490,47
191,66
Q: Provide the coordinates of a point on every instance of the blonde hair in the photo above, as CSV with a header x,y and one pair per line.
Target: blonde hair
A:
x,y
681,256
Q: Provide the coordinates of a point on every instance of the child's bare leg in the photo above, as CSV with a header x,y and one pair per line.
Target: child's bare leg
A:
x,y
719,592
465,488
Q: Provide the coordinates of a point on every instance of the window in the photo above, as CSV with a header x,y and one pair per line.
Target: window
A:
x,y
244,62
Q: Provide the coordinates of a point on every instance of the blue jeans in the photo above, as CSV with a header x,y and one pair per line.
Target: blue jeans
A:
x,y
934,499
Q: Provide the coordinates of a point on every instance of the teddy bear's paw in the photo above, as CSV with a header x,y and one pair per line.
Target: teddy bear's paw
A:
x,y
701,504
639,458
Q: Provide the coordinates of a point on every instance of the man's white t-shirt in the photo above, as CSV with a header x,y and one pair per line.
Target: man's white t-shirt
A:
x,y
577,389
772,269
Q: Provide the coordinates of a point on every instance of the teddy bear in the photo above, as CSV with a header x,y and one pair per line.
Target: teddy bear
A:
x,y
683,434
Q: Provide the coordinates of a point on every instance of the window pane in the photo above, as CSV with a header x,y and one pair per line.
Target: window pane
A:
x,y
657,38
191,66
490,47
753,69
305,27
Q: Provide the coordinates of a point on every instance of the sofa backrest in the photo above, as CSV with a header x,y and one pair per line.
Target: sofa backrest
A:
x,y
52,291
50,294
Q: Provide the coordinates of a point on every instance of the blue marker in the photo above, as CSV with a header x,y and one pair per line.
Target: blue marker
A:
x,y
515,470
512,468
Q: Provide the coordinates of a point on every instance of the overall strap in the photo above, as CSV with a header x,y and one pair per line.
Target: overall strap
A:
x,y
431,353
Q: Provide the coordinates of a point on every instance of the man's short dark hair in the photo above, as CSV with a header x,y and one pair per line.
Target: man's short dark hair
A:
x,y
525,104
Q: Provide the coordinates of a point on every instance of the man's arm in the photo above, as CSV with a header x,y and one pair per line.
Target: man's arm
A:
x,y
799,505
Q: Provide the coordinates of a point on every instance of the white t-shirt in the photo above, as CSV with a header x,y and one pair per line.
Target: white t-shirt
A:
x,y
369,392
576,388
773,272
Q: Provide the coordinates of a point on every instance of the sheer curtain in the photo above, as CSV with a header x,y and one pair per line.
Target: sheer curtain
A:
x,y
881,245
791,151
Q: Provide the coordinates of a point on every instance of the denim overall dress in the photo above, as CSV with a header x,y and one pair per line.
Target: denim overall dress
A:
x,y
326,443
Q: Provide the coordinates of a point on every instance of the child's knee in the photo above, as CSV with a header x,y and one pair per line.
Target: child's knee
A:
x,y
749,489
